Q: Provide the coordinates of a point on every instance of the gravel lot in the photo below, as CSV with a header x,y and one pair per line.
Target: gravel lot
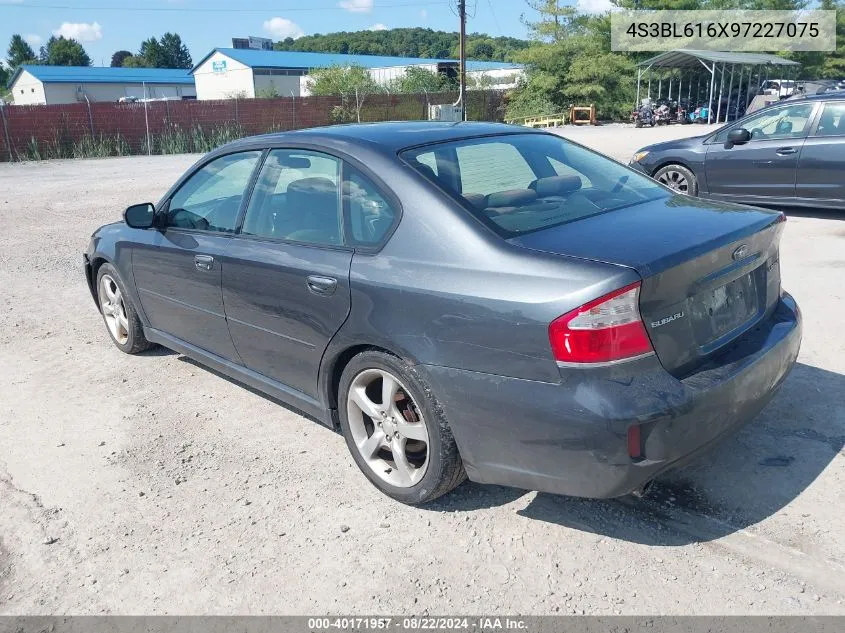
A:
x,y
149,485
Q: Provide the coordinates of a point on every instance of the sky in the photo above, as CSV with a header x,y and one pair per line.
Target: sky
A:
x,y
105,26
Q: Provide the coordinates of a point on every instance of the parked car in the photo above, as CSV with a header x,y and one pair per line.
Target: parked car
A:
x,y
791,153
461,299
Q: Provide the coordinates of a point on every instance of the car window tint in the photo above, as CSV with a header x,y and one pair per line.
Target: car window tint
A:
x,y
787,122
296,198
492,166
322,166
211,198
429,161
566,170
537,181
370,215
832,120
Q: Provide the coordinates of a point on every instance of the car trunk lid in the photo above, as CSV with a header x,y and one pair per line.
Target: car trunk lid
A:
x,y
710,270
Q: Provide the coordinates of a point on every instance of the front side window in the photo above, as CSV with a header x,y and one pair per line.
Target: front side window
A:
x,y
211,198
519,183
297,198
779,123
832,120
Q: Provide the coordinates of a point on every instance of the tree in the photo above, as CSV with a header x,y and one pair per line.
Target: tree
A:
x,y
19,53
119,57
5,75
151,54
60,51
135,61
175,53
818,65
351,83
570,62
420,81
405,42
169,52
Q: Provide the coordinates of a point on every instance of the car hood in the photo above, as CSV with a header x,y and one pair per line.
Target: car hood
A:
x,y
676,144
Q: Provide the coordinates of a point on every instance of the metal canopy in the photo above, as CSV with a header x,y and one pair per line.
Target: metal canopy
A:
x,y
686,58
709,63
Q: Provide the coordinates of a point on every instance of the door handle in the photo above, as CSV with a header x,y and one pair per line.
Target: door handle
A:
x,y
785,151
203,262
322,285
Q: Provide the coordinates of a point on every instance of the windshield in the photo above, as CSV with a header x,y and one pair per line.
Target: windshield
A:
x,y
519,183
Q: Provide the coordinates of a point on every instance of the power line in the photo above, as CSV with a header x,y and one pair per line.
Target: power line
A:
x,y
332,7
495,20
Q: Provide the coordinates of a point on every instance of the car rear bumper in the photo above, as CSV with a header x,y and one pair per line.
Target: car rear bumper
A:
x,y
572,437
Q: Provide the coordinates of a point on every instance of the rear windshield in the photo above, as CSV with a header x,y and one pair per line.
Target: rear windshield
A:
x,y
519,183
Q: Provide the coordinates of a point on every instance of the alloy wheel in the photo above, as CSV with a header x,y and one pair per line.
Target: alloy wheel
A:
x,y
114,310
388,428
674,180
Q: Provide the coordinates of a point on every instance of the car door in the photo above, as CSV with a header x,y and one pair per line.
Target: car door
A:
x,y
178,273
765,166
286,273
821,164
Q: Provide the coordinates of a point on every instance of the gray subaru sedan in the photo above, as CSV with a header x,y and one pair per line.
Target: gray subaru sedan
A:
x,y
461,300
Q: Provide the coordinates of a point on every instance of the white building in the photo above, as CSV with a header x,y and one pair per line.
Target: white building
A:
x,y
49,85
227,73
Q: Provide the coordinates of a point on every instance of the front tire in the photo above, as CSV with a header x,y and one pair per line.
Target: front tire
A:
x,y
124,327
678,178
395,429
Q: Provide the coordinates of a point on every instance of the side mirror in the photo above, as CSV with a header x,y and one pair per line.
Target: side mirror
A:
x,y
140,216
739,136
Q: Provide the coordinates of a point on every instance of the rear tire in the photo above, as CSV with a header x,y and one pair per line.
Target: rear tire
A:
x,y
122,323
396,430
678,178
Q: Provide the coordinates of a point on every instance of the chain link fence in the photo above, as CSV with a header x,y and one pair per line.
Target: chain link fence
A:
x,y
83,130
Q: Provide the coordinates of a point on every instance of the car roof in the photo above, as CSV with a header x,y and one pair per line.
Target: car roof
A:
x,y
390,136
838,95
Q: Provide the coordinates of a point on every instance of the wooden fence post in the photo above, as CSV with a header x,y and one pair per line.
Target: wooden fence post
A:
x,y
6,132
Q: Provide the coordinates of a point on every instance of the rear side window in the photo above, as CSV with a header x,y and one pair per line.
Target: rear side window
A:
x,y
832,120
519,183
369,215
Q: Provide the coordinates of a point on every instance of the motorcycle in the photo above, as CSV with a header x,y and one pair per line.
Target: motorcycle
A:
x,y
682,112
644,116
662,115
699,115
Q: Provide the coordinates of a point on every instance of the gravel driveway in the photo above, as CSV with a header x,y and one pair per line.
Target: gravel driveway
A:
x,y
150,485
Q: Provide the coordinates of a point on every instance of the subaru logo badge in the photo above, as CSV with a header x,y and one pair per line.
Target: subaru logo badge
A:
x,y
740,252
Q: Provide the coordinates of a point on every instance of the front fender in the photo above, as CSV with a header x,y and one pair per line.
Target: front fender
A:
x,y
112,244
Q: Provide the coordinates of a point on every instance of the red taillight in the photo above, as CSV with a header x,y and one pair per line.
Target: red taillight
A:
x,y
634,442
604,330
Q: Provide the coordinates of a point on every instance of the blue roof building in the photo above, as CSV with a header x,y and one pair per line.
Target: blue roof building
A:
x,y
235,72
48,85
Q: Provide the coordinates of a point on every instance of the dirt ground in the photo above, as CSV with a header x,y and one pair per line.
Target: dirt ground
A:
x,y
149,485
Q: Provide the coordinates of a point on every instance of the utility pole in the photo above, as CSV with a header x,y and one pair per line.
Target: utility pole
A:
x,y
462,11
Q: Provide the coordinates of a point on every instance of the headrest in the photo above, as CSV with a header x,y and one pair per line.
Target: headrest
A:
x,y
511,198
312,185
556,185
478,200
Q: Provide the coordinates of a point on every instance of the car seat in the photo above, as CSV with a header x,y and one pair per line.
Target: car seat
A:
x,y
312,206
